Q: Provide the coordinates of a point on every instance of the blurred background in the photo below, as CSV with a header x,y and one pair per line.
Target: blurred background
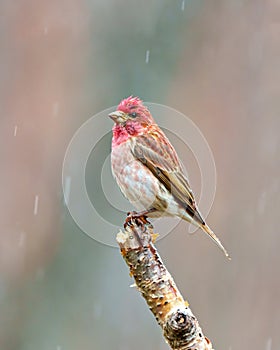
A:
x,y
64,61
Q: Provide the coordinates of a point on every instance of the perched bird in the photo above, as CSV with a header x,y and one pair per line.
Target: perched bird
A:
x,y
148,170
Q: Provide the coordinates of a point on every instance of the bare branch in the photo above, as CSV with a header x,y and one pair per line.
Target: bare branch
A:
x,y
180,327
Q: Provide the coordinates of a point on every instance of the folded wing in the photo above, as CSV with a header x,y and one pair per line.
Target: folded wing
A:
x,y
161,159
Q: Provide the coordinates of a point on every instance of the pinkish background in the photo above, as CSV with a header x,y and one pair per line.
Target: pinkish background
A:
x,y
64,61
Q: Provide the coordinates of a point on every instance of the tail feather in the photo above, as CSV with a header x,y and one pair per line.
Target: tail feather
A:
x,y
212,235
198,221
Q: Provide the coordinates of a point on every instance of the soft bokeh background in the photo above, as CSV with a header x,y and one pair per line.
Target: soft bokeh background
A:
x,y
63,61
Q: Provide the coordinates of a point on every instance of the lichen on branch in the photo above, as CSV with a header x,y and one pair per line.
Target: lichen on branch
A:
x,y
180,327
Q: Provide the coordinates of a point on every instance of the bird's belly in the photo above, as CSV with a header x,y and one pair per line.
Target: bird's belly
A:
x,y
140,186
136,181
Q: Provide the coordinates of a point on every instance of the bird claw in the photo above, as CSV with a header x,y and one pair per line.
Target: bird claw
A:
x,y
135,218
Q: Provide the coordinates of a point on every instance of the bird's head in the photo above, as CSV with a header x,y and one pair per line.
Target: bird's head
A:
x,y
132,112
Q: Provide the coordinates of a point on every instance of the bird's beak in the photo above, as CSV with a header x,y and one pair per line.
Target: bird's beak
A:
x,y
118,117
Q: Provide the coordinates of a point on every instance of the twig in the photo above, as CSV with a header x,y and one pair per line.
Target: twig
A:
x,y
180,327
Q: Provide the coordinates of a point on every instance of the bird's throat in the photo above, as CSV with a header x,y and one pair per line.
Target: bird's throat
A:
x,y
121,133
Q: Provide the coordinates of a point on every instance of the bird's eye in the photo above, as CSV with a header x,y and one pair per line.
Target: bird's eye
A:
x,y
133,115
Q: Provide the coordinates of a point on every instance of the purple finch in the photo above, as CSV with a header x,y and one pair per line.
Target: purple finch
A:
x,y
148,170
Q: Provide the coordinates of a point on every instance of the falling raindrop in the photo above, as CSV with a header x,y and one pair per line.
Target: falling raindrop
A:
x,y
147,56
36,203
262,203
46,30
67,189
22,238
269,344
183,5
58,347
55,108
15,130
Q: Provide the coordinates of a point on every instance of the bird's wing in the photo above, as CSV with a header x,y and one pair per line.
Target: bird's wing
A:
x,y
156,152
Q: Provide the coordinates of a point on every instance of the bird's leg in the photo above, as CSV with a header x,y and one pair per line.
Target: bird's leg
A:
x,y
139,218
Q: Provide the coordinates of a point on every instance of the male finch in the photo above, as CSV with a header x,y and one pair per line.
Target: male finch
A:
x,y
147,168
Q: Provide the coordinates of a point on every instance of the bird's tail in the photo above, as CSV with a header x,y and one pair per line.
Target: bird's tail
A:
x,y
210,233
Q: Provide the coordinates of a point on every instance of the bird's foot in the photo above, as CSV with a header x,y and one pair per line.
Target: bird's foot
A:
x,y
133,217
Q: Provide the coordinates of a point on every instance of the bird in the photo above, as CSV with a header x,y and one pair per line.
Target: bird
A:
x,y
148,170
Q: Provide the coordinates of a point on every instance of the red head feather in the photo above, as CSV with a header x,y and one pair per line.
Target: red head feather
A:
x,y
130,103
135,126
